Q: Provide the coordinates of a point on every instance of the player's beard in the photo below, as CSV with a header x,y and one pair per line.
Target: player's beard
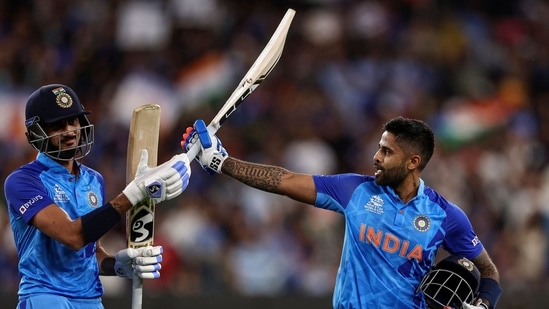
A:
x,y
63,154
392,177
68,154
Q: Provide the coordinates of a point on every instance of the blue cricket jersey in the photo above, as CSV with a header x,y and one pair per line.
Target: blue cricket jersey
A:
x,y
389,246
46,265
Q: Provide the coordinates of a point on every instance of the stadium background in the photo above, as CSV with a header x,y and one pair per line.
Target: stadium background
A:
x,y
477,71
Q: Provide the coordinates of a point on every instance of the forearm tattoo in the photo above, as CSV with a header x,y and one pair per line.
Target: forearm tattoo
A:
x,y
259,176
486,267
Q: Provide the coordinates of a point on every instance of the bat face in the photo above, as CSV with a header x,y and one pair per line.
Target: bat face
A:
x,y
144,134
265,63
259,70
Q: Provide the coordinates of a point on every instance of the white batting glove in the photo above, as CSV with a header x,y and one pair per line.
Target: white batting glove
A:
x,y
160,183
212,154
479,306
145,262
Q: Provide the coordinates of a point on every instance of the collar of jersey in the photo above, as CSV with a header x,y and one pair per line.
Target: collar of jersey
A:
x,y
420,193
51,164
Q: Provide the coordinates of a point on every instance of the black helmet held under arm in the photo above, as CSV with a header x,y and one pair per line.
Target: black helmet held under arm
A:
x,y
451,282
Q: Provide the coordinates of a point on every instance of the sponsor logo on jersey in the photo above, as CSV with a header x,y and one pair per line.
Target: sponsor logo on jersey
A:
x,y
23,208
375,205
422,223
475,241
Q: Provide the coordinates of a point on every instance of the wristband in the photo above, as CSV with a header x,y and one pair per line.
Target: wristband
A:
x,y
490,290
98,222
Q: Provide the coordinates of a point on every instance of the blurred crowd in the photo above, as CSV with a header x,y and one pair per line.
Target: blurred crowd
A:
x,y
477,71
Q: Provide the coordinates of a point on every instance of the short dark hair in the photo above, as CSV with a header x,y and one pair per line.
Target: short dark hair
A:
x,y
413,136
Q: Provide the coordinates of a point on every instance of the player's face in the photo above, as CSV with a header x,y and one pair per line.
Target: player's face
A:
x,y
64,136
390,162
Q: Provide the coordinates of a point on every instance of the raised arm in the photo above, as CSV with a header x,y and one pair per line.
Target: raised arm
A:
x,y
274,179
214,159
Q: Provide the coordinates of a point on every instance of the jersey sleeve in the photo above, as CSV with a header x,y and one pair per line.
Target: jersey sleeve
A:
x,y
25,194
335,191
460,237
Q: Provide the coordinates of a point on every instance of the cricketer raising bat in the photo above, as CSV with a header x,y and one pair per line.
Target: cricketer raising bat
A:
x,y
259,70
144,134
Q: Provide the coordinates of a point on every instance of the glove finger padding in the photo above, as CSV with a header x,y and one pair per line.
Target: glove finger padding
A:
x,y
160,183
146,262
148,271
212,154
152,251
148,265
173,192
148,268
176,179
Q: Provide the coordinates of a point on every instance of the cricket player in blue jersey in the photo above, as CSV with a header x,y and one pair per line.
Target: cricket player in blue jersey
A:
x,y
58,209
395,223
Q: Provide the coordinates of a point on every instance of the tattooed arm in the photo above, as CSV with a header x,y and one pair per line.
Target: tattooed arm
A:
x,y
485,266
274,179
489,286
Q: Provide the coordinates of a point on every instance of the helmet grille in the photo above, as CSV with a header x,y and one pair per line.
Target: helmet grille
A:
x,y
446,288
452,282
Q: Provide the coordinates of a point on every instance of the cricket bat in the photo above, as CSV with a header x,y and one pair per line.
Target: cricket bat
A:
x,y
144,134
259,70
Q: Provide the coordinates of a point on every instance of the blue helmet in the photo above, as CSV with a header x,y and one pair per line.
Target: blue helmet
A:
x,y
50,104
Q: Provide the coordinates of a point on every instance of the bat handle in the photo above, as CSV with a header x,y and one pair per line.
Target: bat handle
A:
x,y
137,292
191,153
195,148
